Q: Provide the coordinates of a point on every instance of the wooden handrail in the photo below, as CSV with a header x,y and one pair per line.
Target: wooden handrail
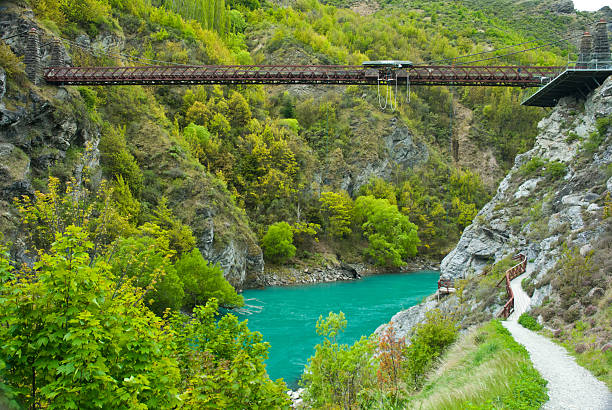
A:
x,y
510,274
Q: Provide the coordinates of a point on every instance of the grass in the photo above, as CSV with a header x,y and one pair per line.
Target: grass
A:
x,y
485,369
529,322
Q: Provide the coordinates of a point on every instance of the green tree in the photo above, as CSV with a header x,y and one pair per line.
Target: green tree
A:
x,y
168,229
140,261
46,214
222,363
391,235
72,338
277,243
202,144
198,113
240,110
127,206
338,372
203,281
465,212
117,160
338,207
379,188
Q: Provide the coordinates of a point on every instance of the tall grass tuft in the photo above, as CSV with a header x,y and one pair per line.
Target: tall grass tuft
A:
x,y
485,369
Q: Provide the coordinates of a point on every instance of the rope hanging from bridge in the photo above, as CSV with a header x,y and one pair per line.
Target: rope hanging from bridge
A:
x,y
408,88
392,102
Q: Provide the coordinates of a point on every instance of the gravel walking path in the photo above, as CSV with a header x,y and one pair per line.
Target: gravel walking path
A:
x,y
570,386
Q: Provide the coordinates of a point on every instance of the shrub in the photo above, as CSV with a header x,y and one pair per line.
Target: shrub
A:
x,y
222,363
596,138
430,340
278,242
117,160
337,372
204,281
532,165
89,96
528,286
12,64
556,170
571,137
529,322
88,341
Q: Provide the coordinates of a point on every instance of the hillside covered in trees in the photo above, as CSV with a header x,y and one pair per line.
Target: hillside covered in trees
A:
x,y
241,159
136,203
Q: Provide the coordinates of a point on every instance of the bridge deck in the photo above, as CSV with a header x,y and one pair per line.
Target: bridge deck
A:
x,y
573,81
509,76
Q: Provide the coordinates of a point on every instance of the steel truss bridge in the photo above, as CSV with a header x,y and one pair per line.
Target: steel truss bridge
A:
x,y
464,75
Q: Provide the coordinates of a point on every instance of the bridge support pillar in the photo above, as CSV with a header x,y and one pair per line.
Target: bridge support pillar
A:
x,y
601,49
57,57
586,50
32,56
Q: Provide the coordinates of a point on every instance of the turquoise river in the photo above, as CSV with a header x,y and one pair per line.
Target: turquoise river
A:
x,y
289,314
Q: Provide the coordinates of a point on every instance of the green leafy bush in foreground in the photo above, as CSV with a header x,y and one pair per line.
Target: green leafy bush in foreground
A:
x,y
345,376
529,322
74,337
338,372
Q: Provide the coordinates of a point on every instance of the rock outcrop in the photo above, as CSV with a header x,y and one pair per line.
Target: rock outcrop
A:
x,y
563,7
402,150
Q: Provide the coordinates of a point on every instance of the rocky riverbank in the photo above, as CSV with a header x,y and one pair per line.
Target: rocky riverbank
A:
x,y
332,272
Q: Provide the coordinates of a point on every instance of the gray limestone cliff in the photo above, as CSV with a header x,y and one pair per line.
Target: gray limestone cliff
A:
x,y
556,197
534,212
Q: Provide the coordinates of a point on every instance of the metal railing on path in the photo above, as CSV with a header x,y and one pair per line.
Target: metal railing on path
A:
x,y
510,274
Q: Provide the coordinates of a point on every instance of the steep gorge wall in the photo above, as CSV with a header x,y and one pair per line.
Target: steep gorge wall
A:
x,y
537,212
541,212
42,126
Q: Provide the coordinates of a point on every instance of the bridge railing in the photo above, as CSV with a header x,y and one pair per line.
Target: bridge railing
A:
x,y
513,76
590,65
510,274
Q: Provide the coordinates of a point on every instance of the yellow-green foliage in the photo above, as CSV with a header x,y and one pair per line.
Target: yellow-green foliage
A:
x,y
607,212
485,369
45,215
13,65
114,352
337,372
117,160
277,243
391,235
339,208
77,11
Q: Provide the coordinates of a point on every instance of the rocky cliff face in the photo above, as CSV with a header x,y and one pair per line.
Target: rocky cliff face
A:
x,y
534,211
556,197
